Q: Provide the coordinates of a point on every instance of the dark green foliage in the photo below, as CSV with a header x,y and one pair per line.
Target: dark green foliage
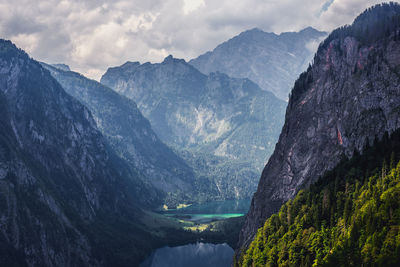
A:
x,y
301,84
351,217
376,23
373,24
225,231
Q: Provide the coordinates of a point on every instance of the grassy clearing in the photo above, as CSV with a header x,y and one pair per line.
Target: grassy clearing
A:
x,y
183,231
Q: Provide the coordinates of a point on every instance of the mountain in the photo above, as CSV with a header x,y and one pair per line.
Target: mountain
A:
x,y
349,218
346,99
270,60
231,124
66,198
63,67
131,136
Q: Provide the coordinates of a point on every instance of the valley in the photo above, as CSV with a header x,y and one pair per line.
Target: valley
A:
x,y
267,150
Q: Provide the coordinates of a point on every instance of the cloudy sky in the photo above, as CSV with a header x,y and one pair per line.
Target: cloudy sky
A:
x,y
91,35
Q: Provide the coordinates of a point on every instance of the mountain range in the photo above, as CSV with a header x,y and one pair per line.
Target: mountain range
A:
x,y
270,60
205,117
83,164
131,136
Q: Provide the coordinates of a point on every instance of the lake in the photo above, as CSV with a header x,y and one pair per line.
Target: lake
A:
x,y
193,255
199,254
210,211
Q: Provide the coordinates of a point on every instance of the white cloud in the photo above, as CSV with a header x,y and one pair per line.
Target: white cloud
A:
x,y
191,5
343,12
91,35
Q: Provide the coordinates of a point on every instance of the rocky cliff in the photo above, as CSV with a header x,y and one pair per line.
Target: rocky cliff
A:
x,y
65,197
131,136
270,60
348,97
230,123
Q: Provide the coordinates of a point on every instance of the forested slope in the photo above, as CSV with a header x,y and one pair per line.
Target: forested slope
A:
x,y
351,217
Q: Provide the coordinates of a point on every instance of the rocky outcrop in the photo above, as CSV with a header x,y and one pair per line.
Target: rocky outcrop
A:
x,y
131,136
230,123
348,97
65,196
270,60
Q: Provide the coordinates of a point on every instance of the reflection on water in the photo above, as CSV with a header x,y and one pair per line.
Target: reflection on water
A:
x,y
192,255
209,211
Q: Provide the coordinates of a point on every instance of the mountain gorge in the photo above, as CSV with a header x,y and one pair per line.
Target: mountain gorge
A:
x,y
345,100
270,60
205,118
131,136
158,156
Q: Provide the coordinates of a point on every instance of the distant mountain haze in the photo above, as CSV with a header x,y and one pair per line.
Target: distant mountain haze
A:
x,y
205,117
270,60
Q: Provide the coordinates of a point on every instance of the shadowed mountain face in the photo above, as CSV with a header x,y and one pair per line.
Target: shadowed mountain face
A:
x,y
220,125
131,136
65,197
272,61
349,96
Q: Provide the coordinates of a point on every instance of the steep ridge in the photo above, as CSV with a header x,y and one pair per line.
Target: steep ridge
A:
x,y
270,60
66,199
349,96
230,121
131,136
350,217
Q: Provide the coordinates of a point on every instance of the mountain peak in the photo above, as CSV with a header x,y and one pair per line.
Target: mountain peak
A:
x,y
61,66
309,29
131,64
9,50
384,11
255,33
255,30
171,59
375,23
261,56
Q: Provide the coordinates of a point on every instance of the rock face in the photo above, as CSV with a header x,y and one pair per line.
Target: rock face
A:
x,y
61,67
351,94
130,135
209,116
272,61
60,184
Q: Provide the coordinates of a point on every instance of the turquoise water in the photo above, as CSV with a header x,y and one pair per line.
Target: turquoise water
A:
x,y
215,210
200,254
191,255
